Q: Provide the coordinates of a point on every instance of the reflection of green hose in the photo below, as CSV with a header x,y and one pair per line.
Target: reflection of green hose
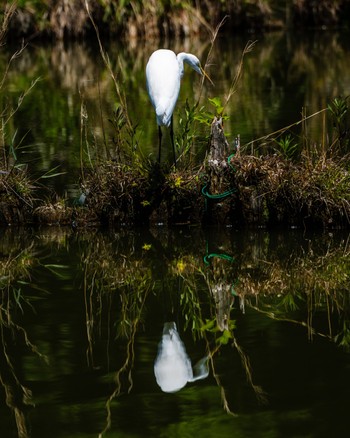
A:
x,y
223,195
222,256
217,196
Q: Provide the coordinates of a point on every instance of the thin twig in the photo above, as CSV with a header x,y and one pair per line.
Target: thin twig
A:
x,y
265,137
214,34
107,63
248,48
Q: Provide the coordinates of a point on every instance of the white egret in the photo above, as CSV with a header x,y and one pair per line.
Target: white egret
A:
x,y
164,71
172,366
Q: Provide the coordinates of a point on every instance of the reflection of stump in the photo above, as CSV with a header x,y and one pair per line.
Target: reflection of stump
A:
x,y
223,302
221,290
218,190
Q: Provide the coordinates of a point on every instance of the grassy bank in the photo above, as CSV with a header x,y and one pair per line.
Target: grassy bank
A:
x,y
268,190
280,180
159,18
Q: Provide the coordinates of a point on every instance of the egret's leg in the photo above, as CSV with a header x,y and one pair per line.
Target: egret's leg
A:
x,y
159,142
172,139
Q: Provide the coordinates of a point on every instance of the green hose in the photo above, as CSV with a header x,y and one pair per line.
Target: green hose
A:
x,y
223,195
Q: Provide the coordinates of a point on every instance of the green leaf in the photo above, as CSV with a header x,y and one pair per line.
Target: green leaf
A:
x,y
216,102
50,174
225,337
209,325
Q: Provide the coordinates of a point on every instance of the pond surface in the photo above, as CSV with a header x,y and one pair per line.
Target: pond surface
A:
x,y
82,313
69,115
82,316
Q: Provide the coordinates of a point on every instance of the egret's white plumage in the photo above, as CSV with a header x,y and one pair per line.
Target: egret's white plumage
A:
x,y
164,71
172,367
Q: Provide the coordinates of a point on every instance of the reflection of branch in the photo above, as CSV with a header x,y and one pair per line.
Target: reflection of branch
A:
x,y
29,344
89,316
311,331
12,271
259,392
128,363
17,395
260,395
222,389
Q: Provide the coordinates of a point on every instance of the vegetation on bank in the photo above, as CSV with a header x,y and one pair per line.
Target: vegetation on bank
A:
x,y
160,18
267,190
293,182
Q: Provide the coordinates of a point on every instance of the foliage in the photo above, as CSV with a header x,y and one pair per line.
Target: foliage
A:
x,y
340,115
189,134
315,192
165,17
16,187
206,117
186,134
287,147
224,336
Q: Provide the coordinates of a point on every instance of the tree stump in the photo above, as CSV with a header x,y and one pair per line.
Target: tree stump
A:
x,y
218,190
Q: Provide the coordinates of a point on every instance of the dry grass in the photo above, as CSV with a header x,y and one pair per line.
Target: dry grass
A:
x,y
16,196
122,195
279,191
159,19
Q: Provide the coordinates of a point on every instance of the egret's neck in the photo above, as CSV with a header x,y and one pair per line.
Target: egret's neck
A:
x,y
191,60
181,57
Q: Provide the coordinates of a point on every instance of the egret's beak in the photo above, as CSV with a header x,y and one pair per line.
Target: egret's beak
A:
x,y
204,73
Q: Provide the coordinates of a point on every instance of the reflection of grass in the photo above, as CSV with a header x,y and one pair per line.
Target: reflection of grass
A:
x,y
15,273
107,275
310,283
119,282
343,337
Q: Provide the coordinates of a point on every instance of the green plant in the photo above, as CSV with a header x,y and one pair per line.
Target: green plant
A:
x,y
343,337
225,336
206,117
186,133
339,111
287,147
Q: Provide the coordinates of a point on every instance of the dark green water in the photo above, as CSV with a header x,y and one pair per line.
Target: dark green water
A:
x,y
82,315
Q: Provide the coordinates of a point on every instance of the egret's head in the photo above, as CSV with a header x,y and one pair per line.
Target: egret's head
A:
x,y
196,65
194,62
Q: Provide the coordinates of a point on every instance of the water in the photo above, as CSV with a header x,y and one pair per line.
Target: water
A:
x,y
66,118
82,314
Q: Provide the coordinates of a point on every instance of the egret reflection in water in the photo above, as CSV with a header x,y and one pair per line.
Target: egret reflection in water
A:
x,y
172,367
